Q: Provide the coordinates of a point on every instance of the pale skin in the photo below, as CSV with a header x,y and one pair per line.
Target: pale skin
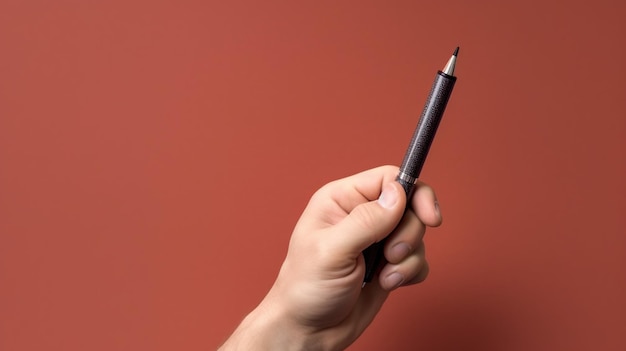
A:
x,y
317,301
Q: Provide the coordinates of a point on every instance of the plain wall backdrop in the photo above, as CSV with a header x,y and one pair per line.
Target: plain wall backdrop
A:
x,y
155,155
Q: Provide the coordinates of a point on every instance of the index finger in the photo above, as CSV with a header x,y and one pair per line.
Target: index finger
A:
x,y
425,205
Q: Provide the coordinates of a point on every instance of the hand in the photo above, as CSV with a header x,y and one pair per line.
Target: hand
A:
x,y
317,302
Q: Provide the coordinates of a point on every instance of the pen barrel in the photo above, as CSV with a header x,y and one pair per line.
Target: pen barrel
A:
x,y
415,157
427,126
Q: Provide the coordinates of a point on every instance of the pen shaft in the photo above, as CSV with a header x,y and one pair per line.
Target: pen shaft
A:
x,y
427,127
415,157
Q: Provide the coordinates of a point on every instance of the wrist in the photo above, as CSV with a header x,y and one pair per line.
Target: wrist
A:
x,y
267,327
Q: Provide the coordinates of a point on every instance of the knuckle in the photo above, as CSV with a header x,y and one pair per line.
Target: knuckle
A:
x,y
322,194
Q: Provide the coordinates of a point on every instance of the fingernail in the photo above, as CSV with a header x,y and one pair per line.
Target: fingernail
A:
x,y
394,280
437,209
400,250
389,196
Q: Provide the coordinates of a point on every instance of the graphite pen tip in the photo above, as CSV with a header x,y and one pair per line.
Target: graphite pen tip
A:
x,y
449,68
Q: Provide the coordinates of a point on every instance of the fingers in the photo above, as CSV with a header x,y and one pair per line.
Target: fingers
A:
x,y
360,210
369,222
405,254
405,238
426,206
412,270
404,249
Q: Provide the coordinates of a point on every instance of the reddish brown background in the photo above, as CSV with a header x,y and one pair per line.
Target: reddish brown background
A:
x,y
154,156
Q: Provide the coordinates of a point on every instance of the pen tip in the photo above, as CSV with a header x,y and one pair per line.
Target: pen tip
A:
x,y
456,51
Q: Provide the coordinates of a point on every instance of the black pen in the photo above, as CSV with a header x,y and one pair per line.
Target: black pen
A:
x,y
417,151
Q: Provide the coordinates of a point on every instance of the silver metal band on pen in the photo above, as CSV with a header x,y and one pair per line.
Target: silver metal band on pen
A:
x,y
407,178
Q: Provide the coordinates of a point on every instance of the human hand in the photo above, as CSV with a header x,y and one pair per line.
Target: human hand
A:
x,y
317,302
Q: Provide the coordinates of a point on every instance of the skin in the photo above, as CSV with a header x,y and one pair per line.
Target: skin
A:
x,y
317,302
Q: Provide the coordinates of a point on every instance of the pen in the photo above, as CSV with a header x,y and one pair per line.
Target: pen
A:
x,y
417,151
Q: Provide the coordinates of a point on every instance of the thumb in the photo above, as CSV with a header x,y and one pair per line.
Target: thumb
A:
x,y
371,221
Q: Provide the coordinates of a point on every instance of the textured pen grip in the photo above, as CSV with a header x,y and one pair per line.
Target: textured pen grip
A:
x,y
427,126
